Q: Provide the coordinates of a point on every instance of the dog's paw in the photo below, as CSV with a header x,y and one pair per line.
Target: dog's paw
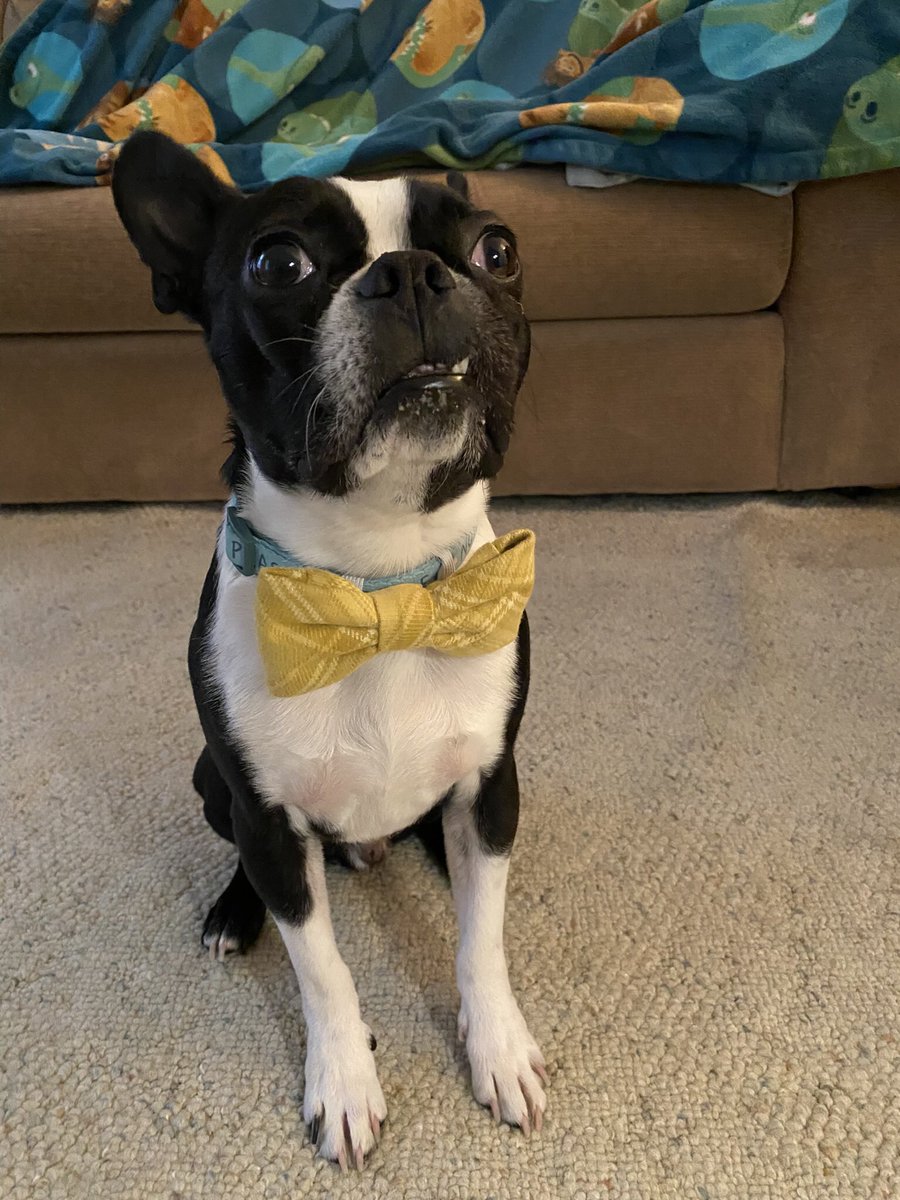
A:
x,y
233,924
343,1104
507,1067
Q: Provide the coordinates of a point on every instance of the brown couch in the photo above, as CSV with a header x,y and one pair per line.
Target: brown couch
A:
x,y
686,338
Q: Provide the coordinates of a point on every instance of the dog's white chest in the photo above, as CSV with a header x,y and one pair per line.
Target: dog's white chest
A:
x,y
372,753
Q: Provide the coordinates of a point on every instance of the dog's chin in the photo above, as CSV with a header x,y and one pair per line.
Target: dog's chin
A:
x,y
403,451
418,424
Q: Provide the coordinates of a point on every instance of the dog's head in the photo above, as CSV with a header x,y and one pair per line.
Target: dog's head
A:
x,y
358,328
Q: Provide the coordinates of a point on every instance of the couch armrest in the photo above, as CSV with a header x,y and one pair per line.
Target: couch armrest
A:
x,y
841,312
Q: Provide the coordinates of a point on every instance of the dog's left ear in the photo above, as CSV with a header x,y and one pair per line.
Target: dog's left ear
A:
x,y
457,182
169,203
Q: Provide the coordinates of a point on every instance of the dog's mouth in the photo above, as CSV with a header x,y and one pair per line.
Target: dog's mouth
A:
x,y
425,415
427,380
429,401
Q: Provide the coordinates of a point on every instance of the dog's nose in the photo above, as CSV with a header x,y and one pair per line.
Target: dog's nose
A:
x,y
402,275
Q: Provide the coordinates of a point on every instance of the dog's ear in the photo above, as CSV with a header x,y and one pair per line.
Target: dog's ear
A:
x,y
458,183
168,202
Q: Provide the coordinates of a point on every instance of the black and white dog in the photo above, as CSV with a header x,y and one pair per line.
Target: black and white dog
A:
x,y
370,341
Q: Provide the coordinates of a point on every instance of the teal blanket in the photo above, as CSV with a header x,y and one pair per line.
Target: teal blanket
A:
x,y
746,91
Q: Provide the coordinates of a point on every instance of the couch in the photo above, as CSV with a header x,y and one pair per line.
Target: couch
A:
x,y
687,338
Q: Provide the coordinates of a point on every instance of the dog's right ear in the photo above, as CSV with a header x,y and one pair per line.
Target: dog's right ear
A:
x,y
168,202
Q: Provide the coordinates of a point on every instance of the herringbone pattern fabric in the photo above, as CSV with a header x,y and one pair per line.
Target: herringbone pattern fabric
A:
x,y
315,628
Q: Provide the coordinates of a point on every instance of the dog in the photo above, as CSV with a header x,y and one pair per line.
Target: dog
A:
x,y
370,340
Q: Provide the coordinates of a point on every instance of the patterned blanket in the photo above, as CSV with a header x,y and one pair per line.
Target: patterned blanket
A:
x,y
747,91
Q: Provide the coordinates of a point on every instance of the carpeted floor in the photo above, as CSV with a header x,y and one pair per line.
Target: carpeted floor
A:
x,y
704,920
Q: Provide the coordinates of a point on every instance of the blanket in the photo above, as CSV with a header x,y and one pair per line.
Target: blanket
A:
x,y
740,91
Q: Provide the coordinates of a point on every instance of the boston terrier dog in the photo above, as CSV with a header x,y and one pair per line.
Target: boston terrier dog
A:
x,y
370,342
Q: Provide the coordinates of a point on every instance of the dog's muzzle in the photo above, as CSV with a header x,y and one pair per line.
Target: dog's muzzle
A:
x,y
423,329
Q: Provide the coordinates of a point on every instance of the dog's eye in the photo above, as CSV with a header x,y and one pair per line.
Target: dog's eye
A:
x,y
496,254
279,262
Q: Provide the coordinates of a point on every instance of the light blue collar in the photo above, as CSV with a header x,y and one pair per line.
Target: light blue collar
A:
x,y
249,552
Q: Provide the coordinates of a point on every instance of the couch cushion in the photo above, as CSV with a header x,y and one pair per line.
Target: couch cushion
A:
x,y
646,249
682,404
671,405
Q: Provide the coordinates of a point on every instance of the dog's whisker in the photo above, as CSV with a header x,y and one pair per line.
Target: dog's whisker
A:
x,y
279,341
309,417
302,381
301,378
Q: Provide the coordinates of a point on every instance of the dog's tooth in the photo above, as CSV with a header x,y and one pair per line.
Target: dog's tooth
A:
x,y
438,368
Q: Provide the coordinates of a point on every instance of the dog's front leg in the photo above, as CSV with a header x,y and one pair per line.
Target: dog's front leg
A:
x,y
507,1066
342,1099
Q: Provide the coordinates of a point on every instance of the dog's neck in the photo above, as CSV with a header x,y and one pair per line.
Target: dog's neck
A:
x,y
371,531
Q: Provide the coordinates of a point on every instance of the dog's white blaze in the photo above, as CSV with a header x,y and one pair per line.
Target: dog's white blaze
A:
x,y
383,205
340,1071
373,752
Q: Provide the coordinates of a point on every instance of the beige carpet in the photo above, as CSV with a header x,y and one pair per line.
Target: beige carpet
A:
x,y
704,921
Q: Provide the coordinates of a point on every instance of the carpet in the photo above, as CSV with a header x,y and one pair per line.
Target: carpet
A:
x,y
704,915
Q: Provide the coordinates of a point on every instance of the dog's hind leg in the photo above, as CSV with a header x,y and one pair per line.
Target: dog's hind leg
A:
x,y
235,920
215,794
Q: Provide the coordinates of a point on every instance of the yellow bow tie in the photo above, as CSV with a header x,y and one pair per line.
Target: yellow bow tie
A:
x,y
315,627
